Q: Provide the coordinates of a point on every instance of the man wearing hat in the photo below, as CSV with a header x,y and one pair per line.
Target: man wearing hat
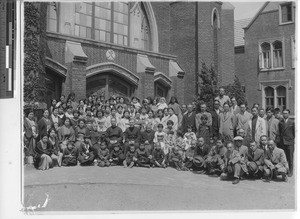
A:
x,y
243,151
255,160
132,135
275,162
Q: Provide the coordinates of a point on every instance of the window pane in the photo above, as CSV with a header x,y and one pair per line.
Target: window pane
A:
x,y
83,31
89,33
115,38
102,35
125,41
120,39
76,30
107,37
97,35
269,92
281,91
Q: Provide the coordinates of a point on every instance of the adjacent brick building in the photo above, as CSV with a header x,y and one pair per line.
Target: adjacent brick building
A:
x,y
136,49
265,63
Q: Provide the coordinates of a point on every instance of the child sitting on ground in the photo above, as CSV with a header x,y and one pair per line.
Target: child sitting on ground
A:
x,y
103,155
143,156
158,156
176,159
70,154
116,155
131,157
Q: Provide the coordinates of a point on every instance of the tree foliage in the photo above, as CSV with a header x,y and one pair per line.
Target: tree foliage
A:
x,y
34,70
208,86
236,90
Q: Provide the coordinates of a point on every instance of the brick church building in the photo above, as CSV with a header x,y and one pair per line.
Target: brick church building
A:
x,y
137,48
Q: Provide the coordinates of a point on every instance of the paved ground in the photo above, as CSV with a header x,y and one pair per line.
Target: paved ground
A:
x,y
141,189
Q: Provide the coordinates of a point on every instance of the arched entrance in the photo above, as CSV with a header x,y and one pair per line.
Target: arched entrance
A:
x,y
109,79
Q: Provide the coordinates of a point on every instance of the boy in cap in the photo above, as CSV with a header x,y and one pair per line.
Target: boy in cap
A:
x,y
201,153
103,155
116,155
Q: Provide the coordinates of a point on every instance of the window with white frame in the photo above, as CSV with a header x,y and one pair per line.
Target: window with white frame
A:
x,y
271,55
277,54
275,96
269,97
286,13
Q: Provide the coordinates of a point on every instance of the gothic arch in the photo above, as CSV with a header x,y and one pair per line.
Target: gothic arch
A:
x,y
114,69
152,22
215,12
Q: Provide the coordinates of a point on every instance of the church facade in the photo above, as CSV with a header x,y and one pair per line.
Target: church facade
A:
x,y
137,48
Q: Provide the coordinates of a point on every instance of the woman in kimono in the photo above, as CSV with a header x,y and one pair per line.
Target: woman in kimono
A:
x,y
81,128
66,133
30,137
56,153
43,160
173,104
86,153
174,118
124,121
44,124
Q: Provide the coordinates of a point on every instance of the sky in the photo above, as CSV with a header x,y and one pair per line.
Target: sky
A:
x,y
246,9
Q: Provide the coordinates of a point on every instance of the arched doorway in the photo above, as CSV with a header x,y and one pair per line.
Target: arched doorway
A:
x,y
109,79
108,84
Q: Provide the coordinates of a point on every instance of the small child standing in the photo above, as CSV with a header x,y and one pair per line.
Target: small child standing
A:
x,y
204,130
158,156
103,155
131,157
180,142
189,136
170,139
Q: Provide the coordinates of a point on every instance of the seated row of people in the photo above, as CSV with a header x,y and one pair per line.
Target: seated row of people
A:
x,y
229,161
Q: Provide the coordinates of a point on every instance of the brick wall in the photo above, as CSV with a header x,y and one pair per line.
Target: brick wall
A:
x,y
266,27
183,46
227,46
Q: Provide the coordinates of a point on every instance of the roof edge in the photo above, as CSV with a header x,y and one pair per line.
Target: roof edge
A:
x,y
256,15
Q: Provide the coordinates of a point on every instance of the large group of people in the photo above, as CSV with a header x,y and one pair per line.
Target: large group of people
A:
x,y
229,140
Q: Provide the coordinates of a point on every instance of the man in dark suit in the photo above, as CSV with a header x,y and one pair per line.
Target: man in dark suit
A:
x,y
255,160
189,119
215,119
287,138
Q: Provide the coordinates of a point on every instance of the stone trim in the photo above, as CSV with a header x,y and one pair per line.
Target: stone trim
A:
x,y
56,66
110,67
161,77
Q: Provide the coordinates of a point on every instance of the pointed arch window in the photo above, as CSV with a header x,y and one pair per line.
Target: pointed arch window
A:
x,y
277,54
269,93
281,97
